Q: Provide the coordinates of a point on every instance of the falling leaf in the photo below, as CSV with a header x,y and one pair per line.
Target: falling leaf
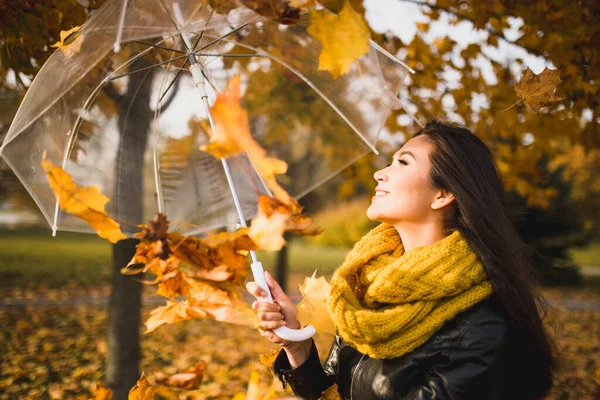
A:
x,y
280,10
86,203
188,379
205,301
142,390
70,48
267,232
268,359
103,393
274,218
344,38
537,91
313,308
232,136
303,3
331,393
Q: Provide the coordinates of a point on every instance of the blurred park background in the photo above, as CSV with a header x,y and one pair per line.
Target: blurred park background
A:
x,y
55,292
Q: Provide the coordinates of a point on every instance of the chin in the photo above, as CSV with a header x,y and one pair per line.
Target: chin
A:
x,y
373,215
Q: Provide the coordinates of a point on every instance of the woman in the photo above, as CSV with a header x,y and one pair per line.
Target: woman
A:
x,y
439,300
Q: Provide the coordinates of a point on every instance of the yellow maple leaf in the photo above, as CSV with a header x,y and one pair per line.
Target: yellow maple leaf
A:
x,y
232,136
313,308
537,91
86,203
143,390
70,48
344,38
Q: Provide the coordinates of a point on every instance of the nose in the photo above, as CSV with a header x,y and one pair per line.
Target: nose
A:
x,y
380,176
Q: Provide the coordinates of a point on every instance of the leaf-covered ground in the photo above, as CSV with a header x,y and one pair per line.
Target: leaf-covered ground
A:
x,y
54,352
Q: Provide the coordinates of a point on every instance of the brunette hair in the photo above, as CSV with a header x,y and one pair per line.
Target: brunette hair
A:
x,y
462,164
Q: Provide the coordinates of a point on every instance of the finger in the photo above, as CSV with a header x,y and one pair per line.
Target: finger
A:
x,y
276,290
269,316
270,335
265,306
255,290
270,325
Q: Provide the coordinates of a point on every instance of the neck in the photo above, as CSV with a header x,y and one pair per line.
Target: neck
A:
x,y
413,235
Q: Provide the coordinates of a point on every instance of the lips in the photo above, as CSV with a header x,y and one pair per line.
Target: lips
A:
x,y
380,192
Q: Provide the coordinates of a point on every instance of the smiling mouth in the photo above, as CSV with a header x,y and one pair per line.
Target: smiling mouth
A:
x,y
380,193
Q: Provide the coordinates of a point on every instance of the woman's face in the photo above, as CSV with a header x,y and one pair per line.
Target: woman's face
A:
x,y
404,193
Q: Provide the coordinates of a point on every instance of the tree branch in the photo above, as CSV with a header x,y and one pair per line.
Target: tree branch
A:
x,y
457,14
164,106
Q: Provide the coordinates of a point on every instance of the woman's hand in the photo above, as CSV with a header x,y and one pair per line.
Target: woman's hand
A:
x,y
274,315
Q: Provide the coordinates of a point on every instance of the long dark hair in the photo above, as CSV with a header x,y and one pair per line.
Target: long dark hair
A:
x,y
462,164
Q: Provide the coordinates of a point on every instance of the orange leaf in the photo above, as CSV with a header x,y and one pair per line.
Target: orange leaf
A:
x,y
268,359
537,91
344,38
313,308
103,394
188,380
74,46
86,203
171,313
331,393
232,136
274,218
142,390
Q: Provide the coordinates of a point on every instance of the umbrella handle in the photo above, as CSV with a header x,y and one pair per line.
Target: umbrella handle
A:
x,y
293,335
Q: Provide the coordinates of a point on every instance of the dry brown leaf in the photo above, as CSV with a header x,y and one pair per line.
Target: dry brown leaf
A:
x,y
313,308
344,38
331,393
274,218
103,394
537,91
267,359
280,10
303,3
189,379
142,390
86,203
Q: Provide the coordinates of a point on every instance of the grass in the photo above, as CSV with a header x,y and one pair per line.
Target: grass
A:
x,y
32,259
588,256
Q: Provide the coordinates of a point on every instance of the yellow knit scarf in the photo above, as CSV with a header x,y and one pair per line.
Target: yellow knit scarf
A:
x,y
385,302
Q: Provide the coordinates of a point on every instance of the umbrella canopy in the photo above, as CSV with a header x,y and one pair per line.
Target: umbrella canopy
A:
x,y
132,123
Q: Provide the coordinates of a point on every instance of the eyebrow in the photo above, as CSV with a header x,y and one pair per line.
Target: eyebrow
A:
x,y
407,152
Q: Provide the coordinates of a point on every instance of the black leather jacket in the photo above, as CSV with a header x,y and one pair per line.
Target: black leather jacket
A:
x,y
465,359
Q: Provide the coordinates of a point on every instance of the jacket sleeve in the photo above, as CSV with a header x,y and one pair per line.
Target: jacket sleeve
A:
x,y
474,361
309,380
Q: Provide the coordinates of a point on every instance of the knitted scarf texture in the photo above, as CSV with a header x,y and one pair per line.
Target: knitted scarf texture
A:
x,y
386,302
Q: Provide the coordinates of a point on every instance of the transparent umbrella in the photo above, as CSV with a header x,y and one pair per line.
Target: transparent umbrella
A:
x,y
132,122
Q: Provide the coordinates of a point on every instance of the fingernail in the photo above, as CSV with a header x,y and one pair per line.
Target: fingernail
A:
x,y
264,294
282,323
278,308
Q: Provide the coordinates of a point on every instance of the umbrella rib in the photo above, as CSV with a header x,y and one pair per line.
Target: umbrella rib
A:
x,y
112,78
224,36
159,47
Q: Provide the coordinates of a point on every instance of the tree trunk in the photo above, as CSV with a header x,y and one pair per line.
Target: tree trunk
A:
x,y
135,116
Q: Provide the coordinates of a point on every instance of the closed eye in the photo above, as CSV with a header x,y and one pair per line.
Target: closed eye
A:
x,y
402,162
